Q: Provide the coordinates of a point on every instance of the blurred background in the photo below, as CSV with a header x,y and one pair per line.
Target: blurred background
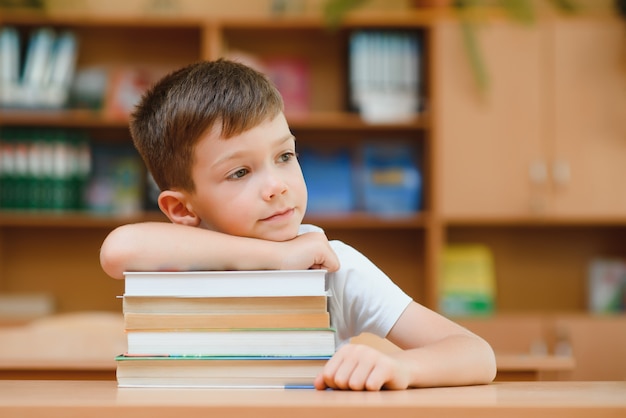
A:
x,y
474,150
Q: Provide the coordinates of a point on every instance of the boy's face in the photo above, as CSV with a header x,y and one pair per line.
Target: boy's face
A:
x,y
251,184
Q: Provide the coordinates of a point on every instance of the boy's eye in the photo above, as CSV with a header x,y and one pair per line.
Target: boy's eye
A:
x,y
286,156
238,174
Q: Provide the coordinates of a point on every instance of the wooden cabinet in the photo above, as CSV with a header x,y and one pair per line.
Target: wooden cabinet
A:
x,y
546,139
589,108
489,140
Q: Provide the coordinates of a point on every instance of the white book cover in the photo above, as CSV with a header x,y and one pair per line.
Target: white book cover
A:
x,y
9,66
9,56
38,57
233,342
226,283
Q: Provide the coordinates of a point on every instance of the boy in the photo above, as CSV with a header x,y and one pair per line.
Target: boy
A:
x,y
214,137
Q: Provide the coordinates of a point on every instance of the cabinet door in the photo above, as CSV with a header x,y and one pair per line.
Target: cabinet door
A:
x,y
589,162
489,140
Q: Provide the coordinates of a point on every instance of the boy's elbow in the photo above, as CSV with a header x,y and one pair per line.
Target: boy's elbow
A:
x,y
114,253
490,368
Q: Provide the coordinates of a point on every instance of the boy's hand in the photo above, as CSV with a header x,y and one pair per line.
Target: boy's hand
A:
x,y
308,251
360,367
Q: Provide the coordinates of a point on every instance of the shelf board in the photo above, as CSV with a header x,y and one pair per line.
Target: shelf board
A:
x,y
352,121
534,221
72,219
78,19
64,118
75,118
355,19
363,220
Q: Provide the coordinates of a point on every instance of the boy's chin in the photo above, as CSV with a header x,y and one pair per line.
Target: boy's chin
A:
x,y
280,235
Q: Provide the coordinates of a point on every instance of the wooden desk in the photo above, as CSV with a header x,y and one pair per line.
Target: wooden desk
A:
x,y
51,399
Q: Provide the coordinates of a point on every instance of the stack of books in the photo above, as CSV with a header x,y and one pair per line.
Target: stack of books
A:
x,y
225,329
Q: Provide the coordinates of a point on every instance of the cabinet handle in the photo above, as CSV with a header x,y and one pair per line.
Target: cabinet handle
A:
x,y
538,172
561,173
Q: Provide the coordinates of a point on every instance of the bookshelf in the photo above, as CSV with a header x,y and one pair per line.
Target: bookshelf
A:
x,y
468,177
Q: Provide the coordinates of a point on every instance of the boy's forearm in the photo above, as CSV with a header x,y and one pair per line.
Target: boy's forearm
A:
x,y
163,246
455,360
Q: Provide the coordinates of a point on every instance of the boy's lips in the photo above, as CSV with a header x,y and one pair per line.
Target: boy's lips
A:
x,y
279,215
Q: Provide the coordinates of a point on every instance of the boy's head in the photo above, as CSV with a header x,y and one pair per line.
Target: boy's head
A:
x,y
215,138
174,114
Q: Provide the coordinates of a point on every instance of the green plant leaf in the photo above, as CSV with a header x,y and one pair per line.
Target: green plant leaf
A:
x,y
335,10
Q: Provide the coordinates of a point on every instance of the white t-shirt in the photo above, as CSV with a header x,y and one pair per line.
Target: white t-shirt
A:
x,y
362,297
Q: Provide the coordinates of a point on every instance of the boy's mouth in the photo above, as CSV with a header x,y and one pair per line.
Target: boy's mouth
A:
x,y
279,215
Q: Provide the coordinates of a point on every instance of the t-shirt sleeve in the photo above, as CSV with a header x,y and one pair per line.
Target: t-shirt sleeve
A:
x,y
364,298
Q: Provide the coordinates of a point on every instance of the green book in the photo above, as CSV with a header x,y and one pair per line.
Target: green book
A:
x,y
467,285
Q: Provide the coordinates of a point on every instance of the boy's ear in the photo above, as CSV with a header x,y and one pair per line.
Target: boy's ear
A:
x,y
174,205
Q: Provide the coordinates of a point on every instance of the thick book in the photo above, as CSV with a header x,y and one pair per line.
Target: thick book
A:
x,y
233,342
226,306
226,283
164,321
219,372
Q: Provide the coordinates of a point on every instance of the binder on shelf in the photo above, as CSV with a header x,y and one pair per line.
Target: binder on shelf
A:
x,y
329,179
116,181
384,74
291,77
43,169
607,285
9,65
390,180
60,71
37,60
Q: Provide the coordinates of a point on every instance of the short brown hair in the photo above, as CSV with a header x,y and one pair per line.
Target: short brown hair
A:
x,y
183,105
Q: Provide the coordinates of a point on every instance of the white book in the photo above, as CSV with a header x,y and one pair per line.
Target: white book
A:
x,y
233,342
254,283
9,66
9,56
63,61
59,73
38,57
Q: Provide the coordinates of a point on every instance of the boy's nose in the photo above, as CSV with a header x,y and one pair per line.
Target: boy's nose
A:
x,y
274,186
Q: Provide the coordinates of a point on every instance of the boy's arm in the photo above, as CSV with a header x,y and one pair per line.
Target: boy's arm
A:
x,y
445,353
435,352
165,246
